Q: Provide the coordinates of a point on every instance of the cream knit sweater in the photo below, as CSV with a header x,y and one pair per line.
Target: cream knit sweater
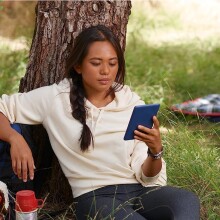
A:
x,y
111,161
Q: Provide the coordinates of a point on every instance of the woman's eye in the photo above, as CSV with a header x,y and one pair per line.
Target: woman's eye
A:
x,y
112,64
95,64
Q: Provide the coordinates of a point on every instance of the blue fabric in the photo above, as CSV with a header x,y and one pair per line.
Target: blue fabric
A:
x,y
214,119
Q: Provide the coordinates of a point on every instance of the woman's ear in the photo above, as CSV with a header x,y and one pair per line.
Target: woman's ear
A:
x,y
77,69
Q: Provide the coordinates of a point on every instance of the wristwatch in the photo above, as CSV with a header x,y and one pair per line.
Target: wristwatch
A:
x,y
155,156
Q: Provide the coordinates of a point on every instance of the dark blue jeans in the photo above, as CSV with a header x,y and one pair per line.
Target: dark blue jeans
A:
x,y
133,201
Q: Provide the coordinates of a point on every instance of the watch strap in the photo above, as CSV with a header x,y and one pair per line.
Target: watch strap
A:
x,y
155,156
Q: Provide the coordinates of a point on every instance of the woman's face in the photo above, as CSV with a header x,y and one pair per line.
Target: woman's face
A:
x,y
99,68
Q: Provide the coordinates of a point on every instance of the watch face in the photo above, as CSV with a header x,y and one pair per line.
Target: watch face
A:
x,y
158,157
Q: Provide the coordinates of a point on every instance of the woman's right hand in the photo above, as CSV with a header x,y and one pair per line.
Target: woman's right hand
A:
x,y
21,157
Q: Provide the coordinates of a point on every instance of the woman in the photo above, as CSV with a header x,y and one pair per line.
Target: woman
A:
x,y
86,116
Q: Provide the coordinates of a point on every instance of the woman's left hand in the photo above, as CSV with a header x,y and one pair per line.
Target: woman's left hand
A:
x,y
151,136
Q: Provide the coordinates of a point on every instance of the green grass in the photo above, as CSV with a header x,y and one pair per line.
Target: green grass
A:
x,y
171,73
181,72
193,162
12,68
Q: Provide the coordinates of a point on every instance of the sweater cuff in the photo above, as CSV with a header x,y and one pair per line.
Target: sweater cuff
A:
x,y
158,180
149,180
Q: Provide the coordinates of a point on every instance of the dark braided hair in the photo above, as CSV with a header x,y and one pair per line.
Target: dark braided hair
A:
x,y
77,93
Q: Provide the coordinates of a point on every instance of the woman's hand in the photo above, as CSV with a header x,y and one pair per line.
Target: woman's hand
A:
x,y
21,156
150,136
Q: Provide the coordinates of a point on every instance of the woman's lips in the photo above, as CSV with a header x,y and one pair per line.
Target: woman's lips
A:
x,y
104,81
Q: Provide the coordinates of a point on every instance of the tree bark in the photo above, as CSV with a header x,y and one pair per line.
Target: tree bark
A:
x,y
57,25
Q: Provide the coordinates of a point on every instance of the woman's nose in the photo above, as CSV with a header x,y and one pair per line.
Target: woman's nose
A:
x,y
105,69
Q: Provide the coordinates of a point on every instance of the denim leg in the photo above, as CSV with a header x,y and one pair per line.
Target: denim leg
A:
x,y
107,203
169,203
106,208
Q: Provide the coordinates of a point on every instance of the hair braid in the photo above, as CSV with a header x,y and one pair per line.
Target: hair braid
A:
x,y
77,96
83,41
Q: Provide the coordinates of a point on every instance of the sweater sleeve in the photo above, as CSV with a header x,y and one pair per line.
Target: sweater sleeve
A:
x,y
138,157
28,108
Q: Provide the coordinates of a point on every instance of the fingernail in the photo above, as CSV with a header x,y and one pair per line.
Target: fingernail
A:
x,y
25,180
31,177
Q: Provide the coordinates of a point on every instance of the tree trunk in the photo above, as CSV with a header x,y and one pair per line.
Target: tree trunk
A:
x,y
57,25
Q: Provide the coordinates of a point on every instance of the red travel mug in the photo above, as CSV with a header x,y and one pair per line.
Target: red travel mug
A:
x,y
27,202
